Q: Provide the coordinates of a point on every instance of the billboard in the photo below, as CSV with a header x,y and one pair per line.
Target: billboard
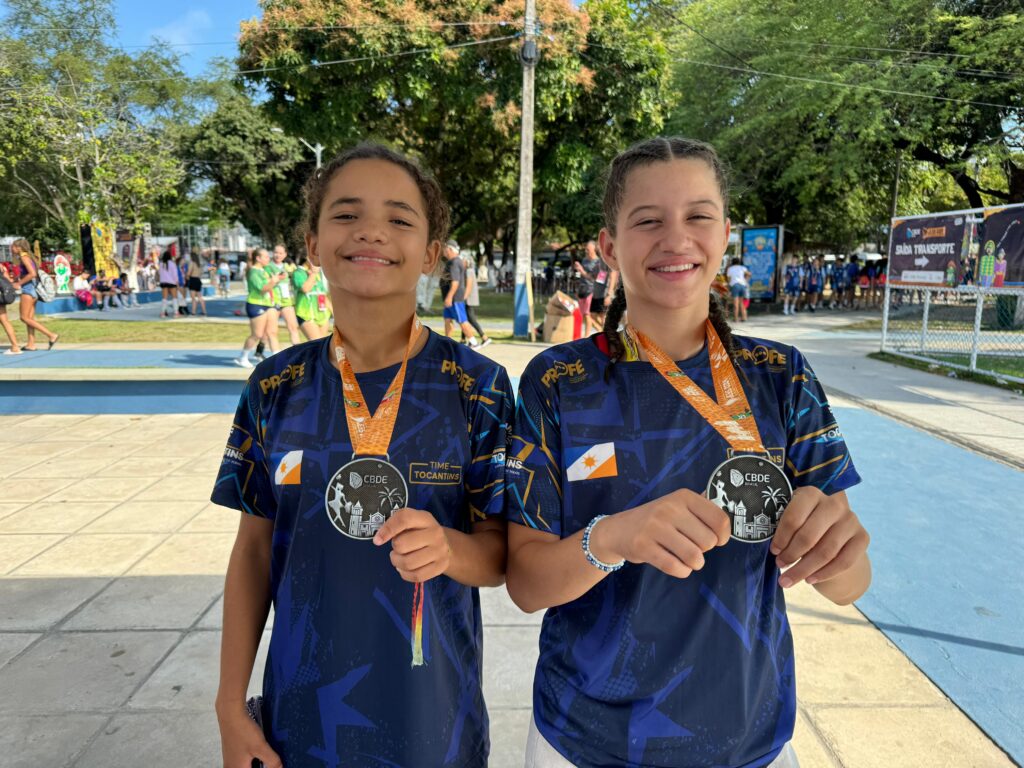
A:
x,y
761,248
1001,255
929,250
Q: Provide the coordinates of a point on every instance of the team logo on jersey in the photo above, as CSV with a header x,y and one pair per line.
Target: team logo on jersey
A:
x,y
435,473
464,380
291,373
761,354
574,371
289,469
776,455
591,463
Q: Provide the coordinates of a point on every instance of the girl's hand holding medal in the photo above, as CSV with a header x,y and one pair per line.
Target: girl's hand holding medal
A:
x,y
821,535
671,533
419,544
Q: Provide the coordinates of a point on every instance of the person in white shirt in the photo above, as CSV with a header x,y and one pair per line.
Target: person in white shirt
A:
x,y
739,288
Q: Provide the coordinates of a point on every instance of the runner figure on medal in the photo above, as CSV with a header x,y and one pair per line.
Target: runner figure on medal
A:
x,y
369,468
650,473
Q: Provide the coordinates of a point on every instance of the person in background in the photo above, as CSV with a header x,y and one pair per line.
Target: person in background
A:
x,y
815,283
739,288
4,320
453,288
473,300
791,285
27,281
195,283
223,278
312,299
181,291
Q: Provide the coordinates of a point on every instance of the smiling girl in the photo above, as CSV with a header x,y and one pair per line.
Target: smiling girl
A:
x,y
650,466
369,468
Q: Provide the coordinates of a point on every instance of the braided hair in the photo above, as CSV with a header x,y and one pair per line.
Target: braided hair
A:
x,y
648,152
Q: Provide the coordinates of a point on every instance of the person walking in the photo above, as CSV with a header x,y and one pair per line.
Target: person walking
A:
x,y
195,283
791,285
473,300
453,288
284,296
29,297
312,301
260,307
5,321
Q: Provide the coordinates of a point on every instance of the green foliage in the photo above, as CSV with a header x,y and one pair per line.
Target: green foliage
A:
x,y
815,143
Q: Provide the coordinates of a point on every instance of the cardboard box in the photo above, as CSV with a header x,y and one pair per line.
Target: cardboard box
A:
x,y
562,319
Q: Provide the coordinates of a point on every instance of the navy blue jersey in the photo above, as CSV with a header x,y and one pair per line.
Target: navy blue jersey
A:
x,y
339,685
645,669
793,278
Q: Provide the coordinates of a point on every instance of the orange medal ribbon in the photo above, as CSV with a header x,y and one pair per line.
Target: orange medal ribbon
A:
x,y
371,434
730,415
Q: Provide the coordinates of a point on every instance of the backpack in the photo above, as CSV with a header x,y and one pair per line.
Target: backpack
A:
x,y
7,293
46,286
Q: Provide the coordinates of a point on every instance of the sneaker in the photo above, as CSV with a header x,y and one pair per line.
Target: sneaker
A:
x,y
12,352
242,362
485,342
473,342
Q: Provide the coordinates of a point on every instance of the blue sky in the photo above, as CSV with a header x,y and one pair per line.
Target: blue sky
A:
x,y
198,31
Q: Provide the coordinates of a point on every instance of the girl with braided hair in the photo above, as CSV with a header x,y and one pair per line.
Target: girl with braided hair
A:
x,y
650,475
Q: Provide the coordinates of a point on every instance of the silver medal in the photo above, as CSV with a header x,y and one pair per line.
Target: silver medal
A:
x,y
753,491
363,495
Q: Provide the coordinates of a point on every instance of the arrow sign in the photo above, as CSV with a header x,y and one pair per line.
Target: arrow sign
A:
x,y
921,261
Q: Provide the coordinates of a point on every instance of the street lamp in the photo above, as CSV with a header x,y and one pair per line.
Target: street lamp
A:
x,y
318,149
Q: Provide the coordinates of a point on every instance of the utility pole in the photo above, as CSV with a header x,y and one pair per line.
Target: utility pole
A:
x,y
523,324
318,150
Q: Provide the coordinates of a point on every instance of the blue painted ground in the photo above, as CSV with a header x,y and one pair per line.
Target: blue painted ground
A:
x,y
119,358
947,545
947,537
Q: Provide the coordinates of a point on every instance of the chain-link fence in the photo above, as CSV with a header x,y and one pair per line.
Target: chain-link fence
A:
x,y
968,327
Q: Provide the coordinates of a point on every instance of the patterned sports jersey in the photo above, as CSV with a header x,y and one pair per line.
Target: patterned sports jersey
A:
x,y
339,685
645,669
793,278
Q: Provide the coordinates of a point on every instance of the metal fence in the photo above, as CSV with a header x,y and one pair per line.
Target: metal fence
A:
x,y
967,328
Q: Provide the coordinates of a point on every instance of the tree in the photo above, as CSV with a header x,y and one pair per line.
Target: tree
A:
x,y
444,83
813,102
255,167
88,140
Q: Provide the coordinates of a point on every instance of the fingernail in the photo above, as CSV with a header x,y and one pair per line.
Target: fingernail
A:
x,y
785,582
774,549
811,579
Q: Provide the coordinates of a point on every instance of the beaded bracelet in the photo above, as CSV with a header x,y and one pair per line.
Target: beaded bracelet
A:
x,y
606,567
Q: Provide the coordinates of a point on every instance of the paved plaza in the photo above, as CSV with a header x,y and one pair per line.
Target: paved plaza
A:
x,y
112,562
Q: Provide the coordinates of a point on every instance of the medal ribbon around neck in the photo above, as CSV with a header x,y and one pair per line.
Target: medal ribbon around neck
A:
x,y
371,434
731,415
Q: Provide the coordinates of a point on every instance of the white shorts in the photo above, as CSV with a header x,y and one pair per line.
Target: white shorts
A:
x,y
540,754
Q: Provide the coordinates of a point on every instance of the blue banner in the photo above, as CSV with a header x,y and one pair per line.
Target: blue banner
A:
x,y
761,257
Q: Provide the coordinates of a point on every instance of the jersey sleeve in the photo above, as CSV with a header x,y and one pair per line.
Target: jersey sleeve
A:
x,y
533,467
244,481
816,453
490,414
299,278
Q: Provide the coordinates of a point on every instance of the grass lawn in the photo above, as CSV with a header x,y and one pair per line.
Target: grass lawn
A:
x,y
1005,365
495,308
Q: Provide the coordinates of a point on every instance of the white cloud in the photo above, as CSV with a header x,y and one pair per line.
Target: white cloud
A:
x,y
186,29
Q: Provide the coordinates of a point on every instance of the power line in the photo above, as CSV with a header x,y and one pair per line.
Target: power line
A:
x,y
839,83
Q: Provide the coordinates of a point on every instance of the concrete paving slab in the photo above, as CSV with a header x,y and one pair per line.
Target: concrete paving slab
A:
x,y
856,665
54,517
188,553
810,747
187,680
176,489
91,554
214,616
77,468
109,451
142,465
156,740
13,643
31,492
16,549
81,671
213,519
102,489
135,516
41,604
8,508
805,605
35,742
509,729
498,610
149,602
510,655
914,737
